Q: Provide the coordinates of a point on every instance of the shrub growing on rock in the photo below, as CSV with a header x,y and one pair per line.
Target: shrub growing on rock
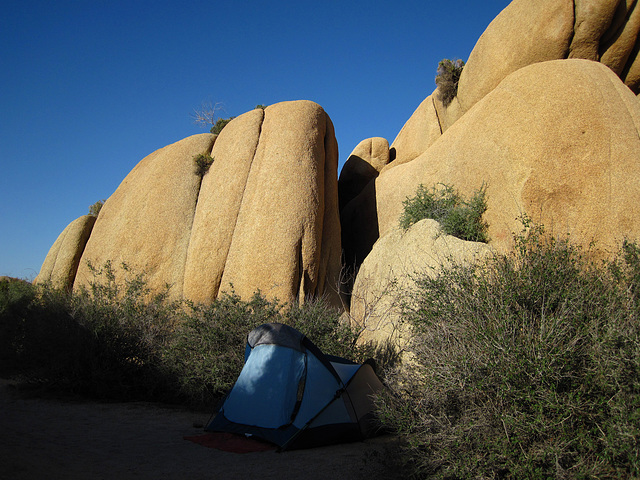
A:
x,y
96,207
208,115
220,124
202,162
458,217
447,80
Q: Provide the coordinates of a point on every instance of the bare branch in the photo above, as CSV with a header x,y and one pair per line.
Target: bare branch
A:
x,y
207,114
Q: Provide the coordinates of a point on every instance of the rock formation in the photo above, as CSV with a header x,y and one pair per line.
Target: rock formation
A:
x,y
389,272
363,165
267,216
62,261
524,34
421,130
146,223
528,32
263,218
556,140
546,116
219,202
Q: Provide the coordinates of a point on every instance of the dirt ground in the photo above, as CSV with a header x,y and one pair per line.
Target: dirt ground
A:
x,y
45,438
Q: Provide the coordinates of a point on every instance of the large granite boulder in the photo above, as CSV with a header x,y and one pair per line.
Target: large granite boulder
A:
x,y
61,263
524,33
146,223
263,218
216,212
558,141
387,277
417,134
527,32
267,217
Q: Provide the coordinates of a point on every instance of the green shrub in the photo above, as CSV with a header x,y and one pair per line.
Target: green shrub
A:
x,y
117,340
202,163
207,352
105,341
322,324
220,124
525,367
447,80
120,333
96,207
460,218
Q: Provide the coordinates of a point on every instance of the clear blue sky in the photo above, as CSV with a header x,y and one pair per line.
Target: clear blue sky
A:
x,y
90,87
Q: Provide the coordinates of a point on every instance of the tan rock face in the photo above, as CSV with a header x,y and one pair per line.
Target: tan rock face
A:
x,y
218,206
387,276
592,20
525,32
556,140
267,215
61,263
147,221
263,218
286,240
424,127
421,130
448,115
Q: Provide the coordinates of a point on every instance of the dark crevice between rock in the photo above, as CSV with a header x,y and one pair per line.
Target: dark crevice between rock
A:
x,y
567,54
435,109
209,150
235,223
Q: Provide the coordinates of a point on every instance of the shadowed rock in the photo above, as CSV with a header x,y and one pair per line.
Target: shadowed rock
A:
x,y
363,165
61,263
389,273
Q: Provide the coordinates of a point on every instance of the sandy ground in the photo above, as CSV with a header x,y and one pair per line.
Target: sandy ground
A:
x,y
44,438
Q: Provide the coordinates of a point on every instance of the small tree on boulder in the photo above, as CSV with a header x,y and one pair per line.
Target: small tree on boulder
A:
x,y
447,79
208,115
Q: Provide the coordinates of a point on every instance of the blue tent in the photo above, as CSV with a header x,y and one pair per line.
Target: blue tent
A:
x,y
291,394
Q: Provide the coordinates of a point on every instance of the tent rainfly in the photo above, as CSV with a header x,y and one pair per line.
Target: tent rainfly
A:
x,y
289,393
